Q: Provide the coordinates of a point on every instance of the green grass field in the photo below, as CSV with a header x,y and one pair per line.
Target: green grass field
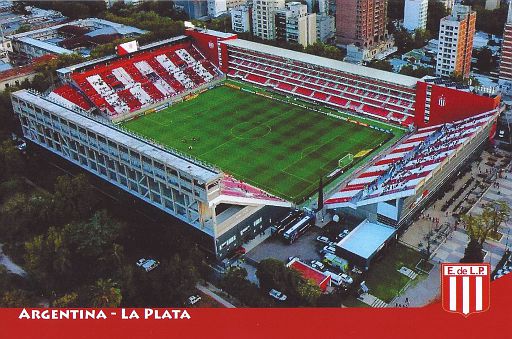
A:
x,y
274,145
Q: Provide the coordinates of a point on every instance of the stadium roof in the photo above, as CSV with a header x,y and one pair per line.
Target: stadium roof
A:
x,y
195,170
403,170
44,45
107,58
366,239
88,22
211,32
376,74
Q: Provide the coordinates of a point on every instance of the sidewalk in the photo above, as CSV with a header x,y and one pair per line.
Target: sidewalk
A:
x,y
421,293
215,296
452,250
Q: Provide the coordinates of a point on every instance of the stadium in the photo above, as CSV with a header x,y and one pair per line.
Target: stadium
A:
x,y
227,134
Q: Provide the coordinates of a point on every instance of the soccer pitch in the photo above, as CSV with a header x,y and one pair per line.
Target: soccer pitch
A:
x,y
273,145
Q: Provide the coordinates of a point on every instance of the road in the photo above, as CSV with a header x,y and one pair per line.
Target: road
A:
x,y
11,266
218,298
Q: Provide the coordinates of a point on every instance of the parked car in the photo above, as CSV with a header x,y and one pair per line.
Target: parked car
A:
x,y
335,278
343,234
21,145
317,264
147,264
323,239
277,295
329,249
356,270
240,250
346,279
291,258
194,299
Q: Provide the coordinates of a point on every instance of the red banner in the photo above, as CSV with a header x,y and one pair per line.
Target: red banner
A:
x,y
431,321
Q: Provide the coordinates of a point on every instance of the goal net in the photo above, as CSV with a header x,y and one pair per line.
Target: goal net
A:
x,y
345,161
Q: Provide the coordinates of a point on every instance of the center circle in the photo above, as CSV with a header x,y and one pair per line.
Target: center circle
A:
x,y
249,130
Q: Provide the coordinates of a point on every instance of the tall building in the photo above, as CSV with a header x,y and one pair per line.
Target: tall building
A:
x,y
362,23
194,8
217,8
415,14
241,18
325,27
491,5
294,24
505,78
447,3
456,42
235,3
263,18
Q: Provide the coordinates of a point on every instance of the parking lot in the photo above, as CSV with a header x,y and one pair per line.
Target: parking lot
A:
x,y
306,248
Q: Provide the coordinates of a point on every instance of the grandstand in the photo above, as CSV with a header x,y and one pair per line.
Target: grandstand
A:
x,y
395,184
388,97
129,84
158,123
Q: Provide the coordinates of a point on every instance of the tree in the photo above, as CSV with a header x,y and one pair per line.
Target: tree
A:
x,y
436,11
421,37
159,27
11,162
417,72
308,291
491,22
73,9
10,187
48,260
48,68
479,227
484,60
272,273
324,50
170,284
76,254
235,282
222,24
67,300
403,40
430,239
107,49
23,29
320,203
94,238
395,10
473,253
17,298
24,215
73,198
381,64
105,293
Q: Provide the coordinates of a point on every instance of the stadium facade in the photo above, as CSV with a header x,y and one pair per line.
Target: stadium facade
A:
x,y
79,122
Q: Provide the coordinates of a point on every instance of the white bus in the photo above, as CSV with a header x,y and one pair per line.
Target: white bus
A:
x,y
298,229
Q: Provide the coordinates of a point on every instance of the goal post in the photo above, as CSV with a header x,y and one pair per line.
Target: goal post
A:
x,y
345,161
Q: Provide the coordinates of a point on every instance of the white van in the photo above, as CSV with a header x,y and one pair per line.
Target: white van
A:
x,y
335,278
339,279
